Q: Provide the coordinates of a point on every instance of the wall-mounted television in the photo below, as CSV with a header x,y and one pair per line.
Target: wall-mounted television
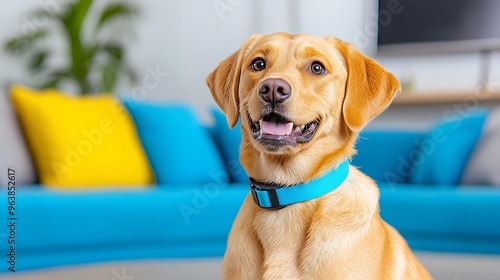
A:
x,y
435,26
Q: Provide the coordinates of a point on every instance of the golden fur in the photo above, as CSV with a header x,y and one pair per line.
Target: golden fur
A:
x,y
339,235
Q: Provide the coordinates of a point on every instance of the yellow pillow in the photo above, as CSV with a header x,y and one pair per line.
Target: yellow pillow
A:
x,y
81,141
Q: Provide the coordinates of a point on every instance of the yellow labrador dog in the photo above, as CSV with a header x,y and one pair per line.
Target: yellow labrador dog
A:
x,y
302,101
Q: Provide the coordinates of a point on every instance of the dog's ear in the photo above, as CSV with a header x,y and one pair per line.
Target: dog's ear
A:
x,y
224,82
369,87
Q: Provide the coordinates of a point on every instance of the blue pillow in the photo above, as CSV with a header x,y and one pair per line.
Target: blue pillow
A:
x,y
179,149
446,150
228,140
385,155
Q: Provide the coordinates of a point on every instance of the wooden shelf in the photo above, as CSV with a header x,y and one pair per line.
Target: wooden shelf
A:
x,y
429,98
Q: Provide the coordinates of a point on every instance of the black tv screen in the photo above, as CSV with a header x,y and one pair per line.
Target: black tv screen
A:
x,y
417,26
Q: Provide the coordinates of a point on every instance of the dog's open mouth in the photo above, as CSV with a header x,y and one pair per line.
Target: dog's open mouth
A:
x,y
275,131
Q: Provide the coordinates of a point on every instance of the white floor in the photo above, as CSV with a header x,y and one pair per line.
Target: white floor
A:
x,y
442,267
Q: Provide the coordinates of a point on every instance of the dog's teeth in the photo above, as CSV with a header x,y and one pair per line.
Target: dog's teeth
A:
x,y
289,128
302,127
260,126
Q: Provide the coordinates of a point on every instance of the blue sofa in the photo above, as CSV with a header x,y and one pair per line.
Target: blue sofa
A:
x,y
190,220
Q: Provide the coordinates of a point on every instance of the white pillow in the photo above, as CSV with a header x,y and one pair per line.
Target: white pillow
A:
x,y
14,152
484,164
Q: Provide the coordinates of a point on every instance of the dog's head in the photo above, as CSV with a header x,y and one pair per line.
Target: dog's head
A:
x,y
300,95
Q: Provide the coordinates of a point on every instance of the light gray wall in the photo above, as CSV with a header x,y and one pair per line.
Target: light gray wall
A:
x,y
188,38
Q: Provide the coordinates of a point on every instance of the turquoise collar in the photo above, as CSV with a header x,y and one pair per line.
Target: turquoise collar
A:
x,y
276,197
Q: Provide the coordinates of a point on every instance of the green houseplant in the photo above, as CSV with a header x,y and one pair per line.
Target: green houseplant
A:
x,y
95,64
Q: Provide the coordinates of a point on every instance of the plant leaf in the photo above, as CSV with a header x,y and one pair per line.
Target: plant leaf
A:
x,y
74,16
106,60
115,11
113,50
22,44
72,20
56,77
37,59
43,13
109,76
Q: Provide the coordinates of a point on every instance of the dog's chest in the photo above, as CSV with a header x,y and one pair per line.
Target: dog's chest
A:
x,y
282,234
296,244
276,228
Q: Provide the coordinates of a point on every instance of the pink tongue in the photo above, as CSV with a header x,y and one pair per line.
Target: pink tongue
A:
x,y
276,128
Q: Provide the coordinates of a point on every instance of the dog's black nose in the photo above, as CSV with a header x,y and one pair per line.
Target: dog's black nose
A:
x,y
274,91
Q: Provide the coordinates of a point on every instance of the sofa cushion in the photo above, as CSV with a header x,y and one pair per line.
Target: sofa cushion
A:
x,y
228,141
81,141
179,148
13,149
448,148
444,218
484,164
67,227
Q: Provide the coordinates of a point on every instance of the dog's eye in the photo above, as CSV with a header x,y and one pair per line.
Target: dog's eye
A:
x,y
317,68
258,64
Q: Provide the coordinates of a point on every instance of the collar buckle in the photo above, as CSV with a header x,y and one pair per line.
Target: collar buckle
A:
x,y
265,195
